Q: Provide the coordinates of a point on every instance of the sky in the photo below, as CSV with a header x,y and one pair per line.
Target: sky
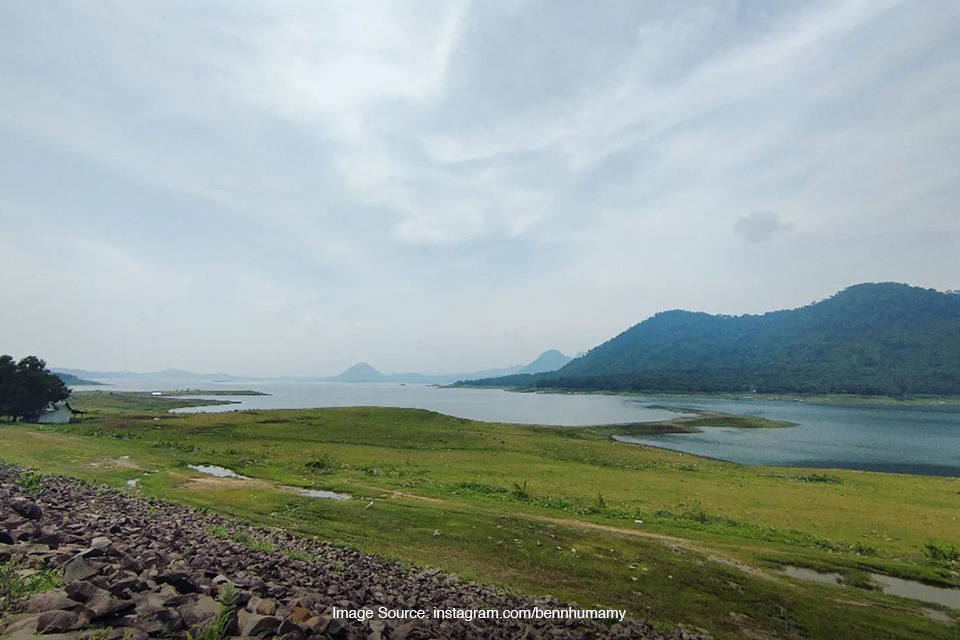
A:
x,y
290,187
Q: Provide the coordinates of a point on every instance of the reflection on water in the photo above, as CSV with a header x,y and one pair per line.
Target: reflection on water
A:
x,y
219,472
802,573
918,591
890,585
320,493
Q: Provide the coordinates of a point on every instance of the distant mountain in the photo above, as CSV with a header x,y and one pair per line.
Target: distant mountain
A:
x,y
887,338
360,372
73,381
363,372
547,361
166,374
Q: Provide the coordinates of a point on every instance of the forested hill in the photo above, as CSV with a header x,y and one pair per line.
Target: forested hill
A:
x,y
887,338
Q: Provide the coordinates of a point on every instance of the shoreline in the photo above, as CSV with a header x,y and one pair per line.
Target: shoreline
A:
x,y
842,400
691,422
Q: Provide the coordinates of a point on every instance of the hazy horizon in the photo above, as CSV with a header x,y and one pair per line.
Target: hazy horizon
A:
x,y
288,189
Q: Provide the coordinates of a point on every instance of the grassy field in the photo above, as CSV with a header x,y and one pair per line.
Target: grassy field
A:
x,y
690,424
566,511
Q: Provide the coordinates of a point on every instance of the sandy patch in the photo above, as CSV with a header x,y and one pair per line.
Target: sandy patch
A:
x,y
210,483
123,462
402,494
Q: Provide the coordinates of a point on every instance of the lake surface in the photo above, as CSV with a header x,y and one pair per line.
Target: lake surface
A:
x,y
921,440
488,405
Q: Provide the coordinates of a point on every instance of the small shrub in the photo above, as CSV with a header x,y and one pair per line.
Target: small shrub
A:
x,y
219,627
31,480
818,477
519,492
697,513
254,544
320,465
478,487
942,554
14,587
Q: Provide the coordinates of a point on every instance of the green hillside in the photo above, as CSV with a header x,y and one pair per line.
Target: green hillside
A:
x,y
890,339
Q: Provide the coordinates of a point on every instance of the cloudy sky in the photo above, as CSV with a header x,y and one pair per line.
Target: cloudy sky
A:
x,y
289,187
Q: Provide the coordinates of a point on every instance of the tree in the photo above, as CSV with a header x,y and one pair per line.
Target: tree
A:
x,y
27,388
8,372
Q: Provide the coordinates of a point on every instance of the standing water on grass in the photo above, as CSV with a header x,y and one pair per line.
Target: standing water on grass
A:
x,y
219,472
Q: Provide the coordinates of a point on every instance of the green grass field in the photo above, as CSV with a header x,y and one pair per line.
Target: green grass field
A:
x,y
565,511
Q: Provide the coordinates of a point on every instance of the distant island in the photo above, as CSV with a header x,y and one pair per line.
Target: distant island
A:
x,y
870,339
72,380
547,361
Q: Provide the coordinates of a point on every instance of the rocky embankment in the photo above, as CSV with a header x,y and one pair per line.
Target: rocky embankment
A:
x,y
134,568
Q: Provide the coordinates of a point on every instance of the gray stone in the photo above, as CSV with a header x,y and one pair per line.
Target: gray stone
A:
x,y
26,508
18,623
59,621
165,622
105,604
260,625
180,581
337,628
287,626
26,531
100,542
54,600
82,591
78,569
203,609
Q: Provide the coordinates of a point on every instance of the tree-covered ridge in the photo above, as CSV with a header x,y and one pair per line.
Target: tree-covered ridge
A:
x,y
70,379
888,338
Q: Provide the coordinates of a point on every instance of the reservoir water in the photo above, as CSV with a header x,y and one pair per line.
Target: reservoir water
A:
x,y
900,439
917,439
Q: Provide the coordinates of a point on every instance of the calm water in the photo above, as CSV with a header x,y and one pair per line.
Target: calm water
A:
x,y
489,405
899,440
888,584
915,440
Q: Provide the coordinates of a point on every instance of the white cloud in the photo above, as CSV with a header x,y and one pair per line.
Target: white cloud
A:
x,y
324,183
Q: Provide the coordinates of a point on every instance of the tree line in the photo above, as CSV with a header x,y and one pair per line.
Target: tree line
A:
x,y
27,388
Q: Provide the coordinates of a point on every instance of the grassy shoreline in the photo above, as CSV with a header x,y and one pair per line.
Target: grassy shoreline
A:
x,y
850,400
566,511
212,392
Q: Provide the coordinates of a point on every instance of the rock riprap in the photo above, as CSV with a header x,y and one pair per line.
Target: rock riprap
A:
x,y
134,568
